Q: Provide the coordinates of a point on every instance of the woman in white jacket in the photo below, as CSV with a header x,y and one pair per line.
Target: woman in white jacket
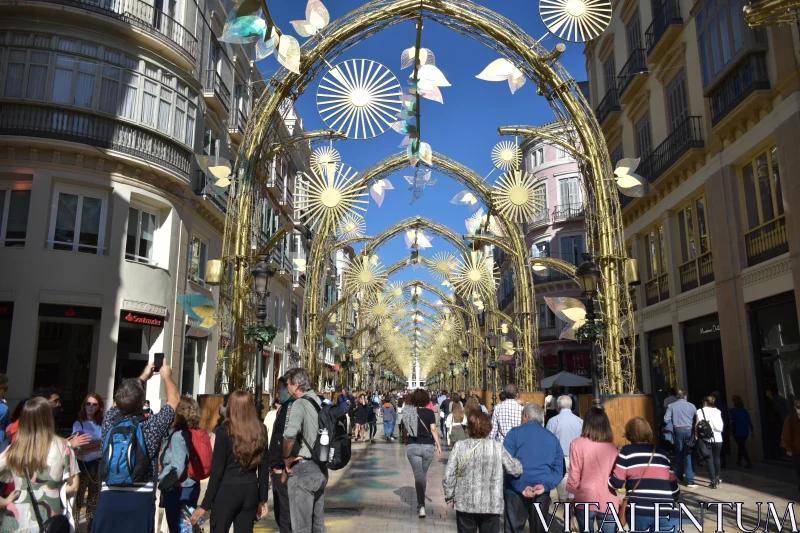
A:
x,y
714,418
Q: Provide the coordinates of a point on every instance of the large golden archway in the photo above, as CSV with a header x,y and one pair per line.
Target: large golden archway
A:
x,y
604,225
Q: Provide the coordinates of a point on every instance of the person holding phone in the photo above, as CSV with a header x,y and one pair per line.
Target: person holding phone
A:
x,y
90,418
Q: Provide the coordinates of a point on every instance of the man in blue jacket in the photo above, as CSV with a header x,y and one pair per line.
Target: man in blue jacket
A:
x,y
345,402
542,469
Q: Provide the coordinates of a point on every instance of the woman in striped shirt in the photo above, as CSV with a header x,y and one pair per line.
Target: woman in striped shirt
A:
x,y
644,471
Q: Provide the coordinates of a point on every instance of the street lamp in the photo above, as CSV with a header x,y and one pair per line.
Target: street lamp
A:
x,y
348,345
493,340
262,272
465,360
452,366
588,276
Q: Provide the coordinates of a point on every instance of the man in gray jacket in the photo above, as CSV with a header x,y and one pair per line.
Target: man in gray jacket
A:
x,y
307,480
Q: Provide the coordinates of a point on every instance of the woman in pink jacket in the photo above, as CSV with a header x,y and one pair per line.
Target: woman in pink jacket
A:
x,y
592,457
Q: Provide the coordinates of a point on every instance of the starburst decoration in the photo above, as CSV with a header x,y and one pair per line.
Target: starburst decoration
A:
x,y
442,265
475,275
325,159
515,196
327,199
378,308
506,155
352,227
577,21
365,274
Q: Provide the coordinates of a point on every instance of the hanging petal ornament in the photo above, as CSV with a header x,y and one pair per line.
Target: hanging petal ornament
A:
x,y
243,30
466,198
629,183
426,57
506,155
360,98
569,310
266,47
516,196
430,76
576,21
352,227
327,199
378,190
216,168
299,264
324,159
289,53
317,17
503,70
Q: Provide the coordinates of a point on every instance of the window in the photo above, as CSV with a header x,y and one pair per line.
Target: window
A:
x,y
560,153
634,33
210,143
721,36
295,325
78,221
693,230
677,104
141,234
537,156
193,350
547,319
656,250
616,155
37,75
610,74
569,191
14,205
198,255
541,249
644,142
15,73
763,198
572,249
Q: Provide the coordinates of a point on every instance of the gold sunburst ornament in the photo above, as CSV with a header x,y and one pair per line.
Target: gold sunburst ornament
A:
x,y
327,198
325,159
515,196
365,274
352,227
442,265
576,21
475,275
506,155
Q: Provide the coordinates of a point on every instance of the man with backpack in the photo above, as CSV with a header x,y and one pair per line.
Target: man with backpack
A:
x,y
131,444
305,442
280,494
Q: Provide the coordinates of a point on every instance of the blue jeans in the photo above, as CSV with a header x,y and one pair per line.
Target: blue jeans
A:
x,y
682,438
665,525
388,429
174,500
608,527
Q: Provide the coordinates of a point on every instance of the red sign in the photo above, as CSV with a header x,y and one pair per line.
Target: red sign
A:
x,y
337,366
146,320
70,312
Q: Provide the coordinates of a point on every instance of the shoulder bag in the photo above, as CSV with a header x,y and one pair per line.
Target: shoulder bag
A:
x,y
463,460
623,515
55,524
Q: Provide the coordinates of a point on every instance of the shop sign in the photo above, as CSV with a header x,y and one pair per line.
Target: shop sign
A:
x,y
701,330
141,318
70,311
714,328
578,364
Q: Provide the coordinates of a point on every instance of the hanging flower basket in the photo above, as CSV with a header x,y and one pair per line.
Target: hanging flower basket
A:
x,y
263,334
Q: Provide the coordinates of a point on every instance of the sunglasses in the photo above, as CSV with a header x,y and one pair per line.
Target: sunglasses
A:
x,y
91,404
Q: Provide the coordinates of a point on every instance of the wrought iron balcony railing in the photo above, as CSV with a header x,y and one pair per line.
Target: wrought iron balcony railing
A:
x,y
657,289
684,137
215,84
748,77
696,272
74,126
766,241
550,277
609,104
202,187
142,15
668,14
567,212
237,122
636,64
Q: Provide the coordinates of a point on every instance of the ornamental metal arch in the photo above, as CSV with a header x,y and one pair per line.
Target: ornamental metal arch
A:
x,y
604,225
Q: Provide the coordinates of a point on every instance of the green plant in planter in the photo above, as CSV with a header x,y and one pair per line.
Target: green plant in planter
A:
x,y
265,334
590,332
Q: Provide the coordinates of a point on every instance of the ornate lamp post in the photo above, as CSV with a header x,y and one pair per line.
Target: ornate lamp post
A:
x,y
588,275
452,366
465,360
493,341
262,272
348,356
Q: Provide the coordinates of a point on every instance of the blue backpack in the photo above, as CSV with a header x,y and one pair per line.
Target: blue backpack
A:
x,y
126,462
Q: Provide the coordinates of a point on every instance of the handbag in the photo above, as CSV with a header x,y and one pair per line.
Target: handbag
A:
x,y
463,460
623,516
55,524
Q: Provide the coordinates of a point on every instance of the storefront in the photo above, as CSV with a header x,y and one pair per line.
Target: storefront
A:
x,y
137,334
703,353
65,353
776,349
663,370
6,318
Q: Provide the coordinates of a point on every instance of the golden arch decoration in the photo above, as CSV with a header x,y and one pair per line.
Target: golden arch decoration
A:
x,y
604,229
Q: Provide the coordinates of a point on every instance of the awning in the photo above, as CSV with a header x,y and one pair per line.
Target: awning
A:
x,y
565,379
196,332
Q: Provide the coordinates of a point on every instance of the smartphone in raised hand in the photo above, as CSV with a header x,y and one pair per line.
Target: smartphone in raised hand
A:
x,y
158,362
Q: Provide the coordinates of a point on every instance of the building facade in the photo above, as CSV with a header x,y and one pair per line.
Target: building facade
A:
x,y
712,109
106,216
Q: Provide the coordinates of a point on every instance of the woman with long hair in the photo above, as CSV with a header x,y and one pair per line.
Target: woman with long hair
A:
x,y
89,422
420,424
592,457
643,470
177,488
41,461
361,418
239,484
473,480
709,413
456,424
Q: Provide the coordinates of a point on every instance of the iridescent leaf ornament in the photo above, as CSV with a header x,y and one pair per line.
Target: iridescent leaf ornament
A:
x,y
426,57
503,70
569,310
378,190
266,48
242,30
289,53
629,183
317,17
467,198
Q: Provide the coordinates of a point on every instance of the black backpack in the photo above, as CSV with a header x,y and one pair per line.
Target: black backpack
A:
x,y
704,430
334,420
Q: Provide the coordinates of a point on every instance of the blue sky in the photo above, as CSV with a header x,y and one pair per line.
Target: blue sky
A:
x,y
463,128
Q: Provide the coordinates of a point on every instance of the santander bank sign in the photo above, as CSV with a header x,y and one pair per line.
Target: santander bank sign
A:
x,y
145,320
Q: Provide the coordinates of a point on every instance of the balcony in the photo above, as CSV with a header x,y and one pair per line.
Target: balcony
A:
x,y
657,290
686,136
216,93
766,241
276,183
84,128
236,125
608,111
299,281
664,29
551,277
548,333
202,187
696,272
539,219
144,17
632,76
562,213
750,76
507,300
287,200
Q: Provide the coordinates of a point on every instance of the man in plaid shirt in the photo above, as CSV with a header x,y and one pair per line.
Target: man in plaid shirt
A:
x,y
506,415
